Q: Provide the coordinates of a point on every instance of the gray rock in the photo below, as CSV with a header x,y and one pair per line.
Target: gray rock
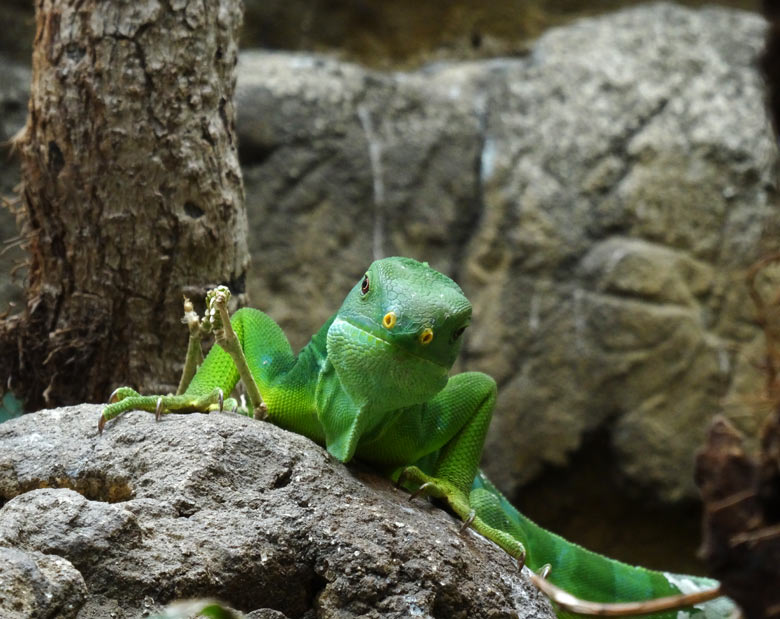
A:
x,y
599,201
34,584
342,165
224,506
632,181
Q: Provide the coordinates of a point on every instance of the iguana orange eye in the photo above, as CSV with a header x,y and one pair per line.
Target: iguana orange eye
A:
x,y
364,287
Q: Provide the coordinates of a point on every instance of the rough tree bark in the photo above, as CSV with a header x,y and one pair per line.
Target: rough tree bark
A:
x,y
132,191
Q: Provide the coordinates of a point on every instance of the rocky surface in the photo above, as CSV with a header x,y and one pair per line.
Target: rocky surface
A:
x,y
403,33
221,505
34,584
638,184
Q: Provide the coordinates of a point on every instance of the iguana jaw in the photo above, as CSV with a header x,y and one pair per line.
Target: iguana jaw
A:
x,y
378,373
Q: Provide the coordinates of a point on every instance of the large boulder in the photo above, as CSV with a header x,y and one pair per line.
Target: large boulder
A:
x,y
221,505
632,181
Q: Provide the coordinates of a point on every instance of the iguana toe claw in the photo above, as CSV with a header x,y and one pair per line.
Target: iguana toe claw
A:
x,y
467,522
158,409
521,561
113,397
420,490
544,571
221,399
261,412
101,424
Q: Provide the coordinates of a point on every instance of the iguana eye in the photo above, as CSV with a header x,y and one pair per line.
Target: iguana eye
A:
x,y
457,333
364,287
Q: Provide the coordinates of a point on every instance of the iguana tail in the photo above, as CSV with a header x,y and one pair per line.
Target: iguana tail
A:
x,y
586,574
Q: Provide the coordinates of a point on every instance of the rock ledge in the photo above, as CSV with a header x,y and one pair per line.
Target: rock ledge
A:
x,y
221,505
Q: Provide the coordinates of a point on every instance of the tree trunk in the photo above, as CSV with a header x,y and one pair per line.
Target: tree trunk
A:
x,y
132,189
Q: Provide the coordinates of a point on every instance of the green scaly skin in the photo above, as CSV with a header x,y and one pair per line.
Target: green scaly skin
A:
x,y
373,384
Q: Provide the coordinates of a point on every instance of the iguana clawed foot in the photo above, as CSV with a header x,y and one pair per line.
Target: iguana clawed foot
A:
x,y
465,507
467,522
216,320
421,491
125,399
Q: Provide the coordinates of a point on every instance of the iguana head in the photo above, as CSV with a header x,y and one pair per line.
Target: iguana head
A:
x,y
398,333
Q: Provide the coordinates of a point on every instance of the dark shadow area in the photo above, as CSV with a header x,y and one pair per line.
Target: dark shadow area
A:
x,y
589,504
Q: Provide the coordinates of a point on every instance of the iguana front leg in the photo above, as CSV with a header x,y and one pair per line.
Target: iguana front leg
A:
x,y
126,399
250,346
454,424
446,445
469,507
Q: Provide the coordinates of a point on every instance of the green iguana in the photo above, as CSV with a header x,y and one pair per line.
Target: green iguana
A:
x,y
373,383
